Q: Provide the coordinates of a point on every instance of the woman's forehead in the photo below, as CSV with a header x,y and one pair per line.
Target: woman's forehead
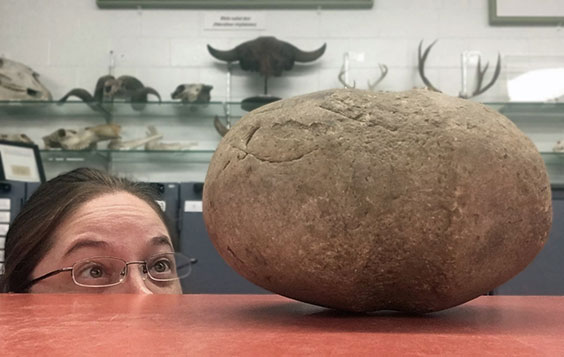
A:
x,y
117,217
114,206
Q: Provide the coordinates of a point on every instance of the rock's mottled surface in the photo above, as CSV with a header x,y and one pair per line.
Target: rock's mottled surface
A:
x,y
413,201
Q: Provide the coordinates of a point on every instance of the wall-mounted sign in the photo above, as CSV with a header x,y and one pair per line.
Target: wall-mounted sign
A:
x,y
192,206
234,21
239,4
20,162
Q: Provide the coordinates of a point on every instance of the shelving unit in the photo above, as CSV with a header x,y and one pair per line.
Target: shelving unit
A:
x,y
543,123
193,123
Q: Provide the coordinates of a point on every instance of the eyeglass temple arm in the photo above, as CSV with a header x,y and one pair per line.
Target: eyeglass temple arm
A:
x,y
36,280
192,261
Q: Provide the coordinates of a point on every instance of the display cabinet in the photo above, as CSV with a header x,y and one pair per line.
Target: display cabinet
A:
x,y
193,126
190,125
543,123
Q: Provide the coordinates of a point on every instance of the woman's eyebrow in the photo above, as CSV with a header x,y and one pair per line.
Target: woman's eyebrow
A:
x,y
86,243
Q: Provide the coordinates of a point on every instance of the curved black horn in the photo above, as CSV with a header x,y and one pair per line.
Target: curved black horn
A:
x,y
227,56
302,56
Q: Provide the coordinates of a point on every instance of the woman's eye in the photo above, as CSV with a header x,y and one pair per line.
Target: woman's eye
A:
x,y
161,266
95,272
91,272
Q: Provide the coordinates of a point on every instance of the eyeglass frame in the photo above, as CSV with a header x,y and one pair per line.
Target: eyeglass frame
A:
x,y
126,270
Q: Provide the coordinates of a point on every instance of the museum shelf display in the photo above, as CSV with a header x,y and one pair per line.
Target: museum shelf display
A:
x,y
192,125
189,125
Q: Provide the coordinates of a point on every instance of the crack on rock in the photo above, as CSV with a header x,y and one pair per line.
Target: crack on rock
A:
x,y
226,164
291,123
251,134
335,111
233,254
291,159
357,118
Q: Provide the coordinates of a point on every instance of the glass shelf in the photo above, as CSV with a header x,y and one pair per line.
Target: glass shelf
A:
x,y
74,109
177,109
529,108
201,156
554,162
193,123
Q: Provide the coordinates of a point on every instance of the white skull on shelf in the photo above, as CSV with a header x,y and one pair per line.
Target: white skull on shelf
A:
x,y
19,82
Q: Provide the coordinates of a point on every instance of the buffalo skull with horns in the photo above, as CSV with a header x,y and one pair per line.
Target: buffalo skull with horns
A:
x,y
266,55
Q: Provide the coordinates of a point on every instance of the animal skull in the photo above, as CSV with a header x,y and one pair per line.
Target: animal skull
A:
x,y
16,138
193,93
266,55
82,139
19,82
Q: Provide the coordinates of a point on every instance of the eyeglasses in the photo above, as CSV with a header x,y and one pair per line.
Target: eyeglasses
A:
x,y
103,272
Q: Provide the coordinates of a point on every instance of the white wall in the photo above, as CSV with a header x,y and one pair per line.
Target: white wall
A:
x,y
68,43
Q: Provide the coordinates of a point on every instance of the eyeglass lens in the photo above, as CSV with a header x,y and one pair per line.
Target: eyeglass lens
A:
x,y
106,271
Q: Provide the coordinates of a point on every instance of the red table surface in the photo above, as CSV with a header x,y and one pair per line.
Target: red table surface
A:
x,y
271,325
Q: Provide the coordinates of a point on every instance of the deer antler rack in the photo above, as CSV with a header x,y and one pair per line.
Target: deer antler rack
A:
x,y
383,73
422,57
371,86
342,80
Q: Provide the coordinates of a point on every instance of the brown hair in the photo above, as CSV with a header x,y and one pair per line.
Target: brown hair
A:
x,y
30,235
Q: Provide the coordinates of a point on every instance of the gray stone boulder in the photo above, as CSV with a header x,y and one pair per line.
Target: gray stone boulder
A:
x,y
412,201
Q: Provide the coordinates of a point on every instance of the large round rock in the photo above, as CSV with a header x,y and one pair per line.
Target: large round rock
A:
x,y
413,201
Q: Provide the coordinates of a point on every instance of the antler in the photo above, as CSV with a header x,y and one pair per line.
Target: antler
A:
x,y
383,73
345,84
480,73
421,58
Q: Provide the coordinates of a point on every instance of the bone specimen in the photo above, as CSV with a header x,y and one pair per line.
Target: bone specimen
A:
x,y
109,88
88,99
422,57
82,139
118,144
19,82
266,55
53,140
371,86
128,88
559,146
219,126
105,131
158,145
16,138
193,93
